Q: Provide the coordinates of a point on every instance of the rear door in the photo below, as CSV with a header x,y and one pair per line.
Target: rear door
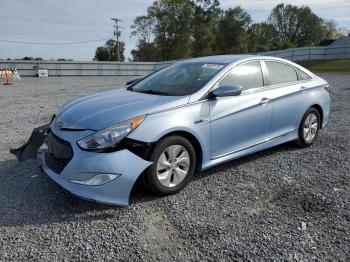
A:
x,y
240,122
289,96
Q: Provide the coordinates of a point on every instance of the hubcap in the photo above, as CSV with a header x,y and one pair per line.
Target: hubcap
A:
x,y
173,165
310,128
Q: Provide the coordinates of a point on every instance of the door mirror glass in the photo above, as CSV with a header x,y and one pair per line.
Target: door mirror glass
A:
x,y
226,90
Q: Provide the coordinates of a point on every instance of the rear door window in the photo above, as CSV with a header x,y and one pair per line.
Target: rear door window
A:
x,y
280,73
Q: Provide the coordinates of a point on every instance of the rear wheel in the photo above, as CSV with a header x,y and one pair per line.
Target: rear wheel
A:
x,y
309,127
174,161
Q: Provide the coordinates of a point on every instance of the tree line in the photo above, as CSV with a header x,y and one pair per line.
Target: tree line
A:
x,y
30,58
192,28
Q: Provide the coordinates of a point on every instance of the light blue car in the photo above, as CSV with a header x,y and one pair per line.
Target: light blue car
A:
x,y
189,116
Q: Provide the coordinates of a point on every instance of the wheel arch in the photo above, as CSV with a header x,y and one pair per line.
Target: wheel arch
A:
x,y
320,110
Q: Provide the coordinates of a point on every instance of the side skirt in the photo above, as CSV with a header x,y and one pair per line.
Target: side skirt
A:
x,y
283,138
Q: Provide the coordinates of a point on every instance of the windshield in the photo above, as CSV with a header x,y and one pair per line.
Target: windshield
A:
x,y
178,80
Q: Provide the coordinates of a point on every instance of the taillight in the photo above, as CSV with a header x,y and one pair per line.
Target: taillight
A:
x,y
328,88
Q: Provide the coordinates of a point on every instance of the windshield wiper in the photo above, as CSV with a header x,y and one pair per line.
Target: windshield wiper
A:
x,y
154,92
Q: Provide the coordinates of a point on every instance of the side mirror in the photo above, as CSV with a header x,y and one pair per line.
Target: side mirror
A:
x,y
226,90
134,80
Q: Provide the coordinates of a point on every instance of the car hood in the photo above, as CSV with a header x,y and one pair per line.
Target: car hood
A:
x,y
103,109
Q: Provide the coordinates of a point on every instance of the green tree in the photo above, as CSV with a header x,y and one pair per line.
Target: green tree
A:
x,y
231,36
108,52
330,30
206,16
296,26
173,27
111,45
185,28
146,50
262,37
101,54
143,27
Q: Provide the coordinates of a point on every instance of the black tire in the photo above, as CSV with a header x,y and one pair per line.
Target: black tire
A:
x,y
153,183
302,141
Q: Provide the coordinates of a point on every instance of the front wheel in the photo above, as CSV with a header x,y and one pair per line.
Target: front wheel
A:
x,y
174,161
309,127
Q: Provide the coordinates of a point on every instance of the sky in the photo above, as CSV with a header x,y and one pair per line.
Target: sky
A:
x,y
67,21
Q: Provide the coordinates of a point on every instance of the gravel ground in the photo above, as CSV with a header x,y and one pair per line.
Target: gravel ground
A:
x,y
280,204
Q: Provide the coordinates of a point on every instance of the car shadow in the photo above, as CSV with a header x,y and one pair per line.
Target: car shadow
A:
x,y
140,194
29,197
289,146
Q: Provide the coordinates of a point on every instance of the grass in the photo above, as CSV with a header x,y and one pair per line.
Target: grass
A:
x,y
340,65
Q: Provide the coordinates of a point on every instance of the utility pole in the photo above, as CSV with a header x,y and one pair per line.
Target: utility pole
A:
x,y
116,33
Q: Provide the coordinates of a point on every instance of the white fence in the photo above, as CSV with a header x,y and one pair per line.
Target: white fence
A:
x,y
68,68
311,53
72,68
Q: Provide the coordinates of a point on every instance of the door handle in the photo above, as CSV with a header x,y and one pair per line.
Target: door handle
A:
x,y
302,89
264,101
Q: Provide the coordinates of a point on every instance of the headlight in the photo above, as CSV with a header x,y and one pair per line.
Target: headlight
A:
x,y
110,136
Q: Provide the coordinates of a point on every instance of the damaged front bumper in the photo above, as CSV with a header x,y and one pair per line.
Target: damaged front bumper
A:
x,y
30,149
75,170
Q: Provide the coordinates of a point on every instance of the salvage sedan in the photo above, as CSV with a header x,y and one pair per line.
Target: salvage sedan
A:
x,y
189,116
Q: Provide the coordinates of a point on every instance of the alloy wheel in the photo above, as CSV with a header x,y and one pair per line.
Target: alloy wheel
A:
x,y
173,165
310,127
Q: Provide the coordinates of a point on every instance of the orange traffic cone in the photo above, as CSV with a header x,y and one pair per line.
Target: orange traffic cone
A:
x,y
8,77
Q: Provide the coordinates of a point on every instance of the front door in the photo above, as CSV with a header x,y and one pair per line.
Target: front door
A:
x,y
240,122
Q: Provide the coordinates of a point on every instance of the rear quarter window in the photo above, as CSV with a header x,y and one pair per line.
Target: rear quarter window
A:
x,y
302,75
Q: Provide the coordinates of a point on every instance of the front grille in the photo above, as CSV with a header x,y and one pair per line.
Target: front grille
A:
x,y
59,153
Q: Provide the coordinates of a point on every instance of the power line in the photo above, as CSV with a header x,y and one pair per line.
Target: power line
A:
x,y
51,43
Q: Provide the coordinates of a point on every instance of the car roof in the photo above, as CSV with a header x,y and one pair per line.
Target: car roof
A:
x,y
228,59
220,59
